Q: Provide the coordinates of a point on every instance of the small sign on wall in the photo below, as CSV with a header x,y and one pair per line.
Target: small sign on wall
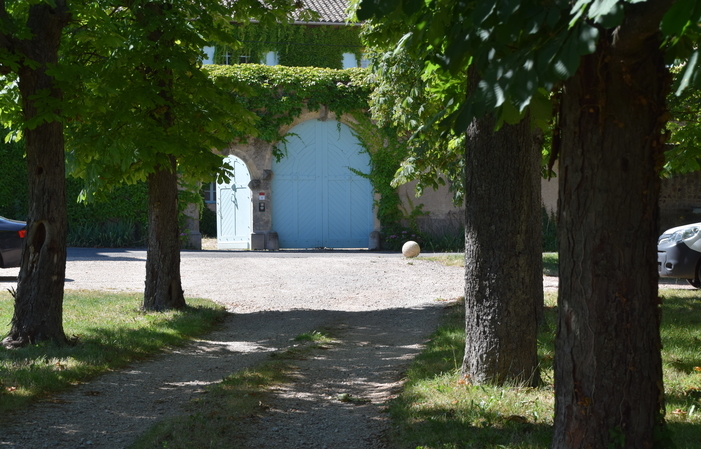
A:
x,y
261,196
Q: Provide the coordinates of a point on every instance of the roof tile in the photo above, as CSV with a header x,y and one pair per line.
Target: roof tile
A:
x,y
330,11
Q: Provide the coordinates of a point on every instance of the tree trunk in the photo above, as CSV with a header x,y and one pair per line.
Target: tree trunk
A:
x,y
503,253
163,286
608,371
38,313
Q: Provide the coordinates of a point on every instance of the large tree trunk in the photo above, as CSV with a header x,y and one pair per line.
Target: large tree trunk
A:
x,y
163,286
608,371
503,253
38,313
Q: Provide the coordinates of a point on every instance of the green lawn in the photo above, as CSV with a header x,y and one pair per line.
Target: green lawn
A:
x,y
438,409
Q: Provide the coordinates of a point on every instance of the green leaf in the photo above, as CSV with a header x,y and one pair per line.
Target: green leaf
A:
x,y
509,114
612,18
601,8
678,18
376,9
541,107
483,10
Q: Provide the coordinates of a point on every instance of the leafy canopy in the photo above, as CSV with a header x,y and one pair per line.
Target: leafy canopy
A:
x,y
521,50
138,93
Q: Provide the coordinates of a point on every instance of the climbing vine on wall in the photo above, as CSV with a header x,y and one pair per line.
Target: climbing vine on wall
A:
x,y
295,45
279,94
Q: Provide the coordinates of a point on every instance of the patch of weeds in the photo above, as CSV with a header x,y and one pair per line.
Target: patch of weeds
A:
x,y
213,417
315,336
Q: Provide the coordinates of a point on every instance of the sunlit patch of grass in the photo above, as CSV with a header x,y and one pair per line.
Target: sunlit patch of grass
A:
x,y
550,264
681,362
550,261
108,330
439,409
315,336
449,260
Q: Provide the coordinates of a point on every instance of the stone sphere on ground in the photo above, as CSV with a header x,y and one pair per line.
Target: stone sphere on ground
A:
x,y
411,249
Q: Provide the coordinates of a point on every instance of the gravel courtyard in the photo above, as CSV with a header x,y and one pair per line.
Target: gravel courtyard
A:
x,y
382,306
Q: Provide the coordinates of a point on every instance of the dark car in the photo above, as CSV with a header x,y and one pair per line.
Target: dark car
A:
x,y
679,253
12,234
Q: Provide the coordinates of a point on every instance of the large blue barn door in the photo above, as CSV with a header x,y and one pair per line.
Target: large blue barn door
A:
x,y
317,200
234,208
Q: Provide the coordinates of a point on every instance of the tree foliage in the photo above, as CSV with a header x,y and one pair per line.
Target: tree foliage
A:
x,y
139,96
406,99
683,153
522,49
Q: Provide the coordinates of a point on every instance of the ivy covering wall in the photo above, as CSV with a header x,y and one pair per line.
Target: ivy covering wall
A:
x,y
279,94
296,46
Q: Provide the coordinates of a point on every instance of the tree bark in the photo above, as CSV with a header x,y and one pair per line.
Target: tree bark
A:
x,y
608,371
38,313
163,286
503,253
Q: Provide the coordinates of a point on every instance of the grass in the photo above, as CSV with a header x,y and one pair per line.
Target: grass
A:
x,y
438,410
110,332
550,264
211,419
550,261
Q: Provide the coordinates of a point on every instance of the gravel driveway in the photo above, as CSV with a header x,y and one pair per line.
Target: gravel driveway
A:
x,y
382,305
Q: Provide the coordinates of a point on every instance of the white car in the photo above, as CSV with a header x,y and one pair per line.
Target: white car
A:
x,y
679,253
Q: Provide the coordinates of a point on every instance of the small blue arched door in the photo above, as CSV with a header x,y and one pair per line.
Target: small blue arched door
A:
x,y
318,201
234,208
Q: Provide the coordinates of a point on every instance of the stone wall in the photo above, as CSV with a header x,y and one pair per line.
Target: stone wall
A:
x,y
443,217
680,200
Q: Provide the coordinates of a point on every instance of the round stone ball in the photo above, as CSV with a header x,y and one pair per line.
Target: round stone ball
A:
x,y
411,249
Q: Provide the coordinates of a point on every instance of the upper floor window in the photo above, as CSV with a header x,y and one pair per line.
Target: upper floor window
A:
x,y
209,55
349,60
270,58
